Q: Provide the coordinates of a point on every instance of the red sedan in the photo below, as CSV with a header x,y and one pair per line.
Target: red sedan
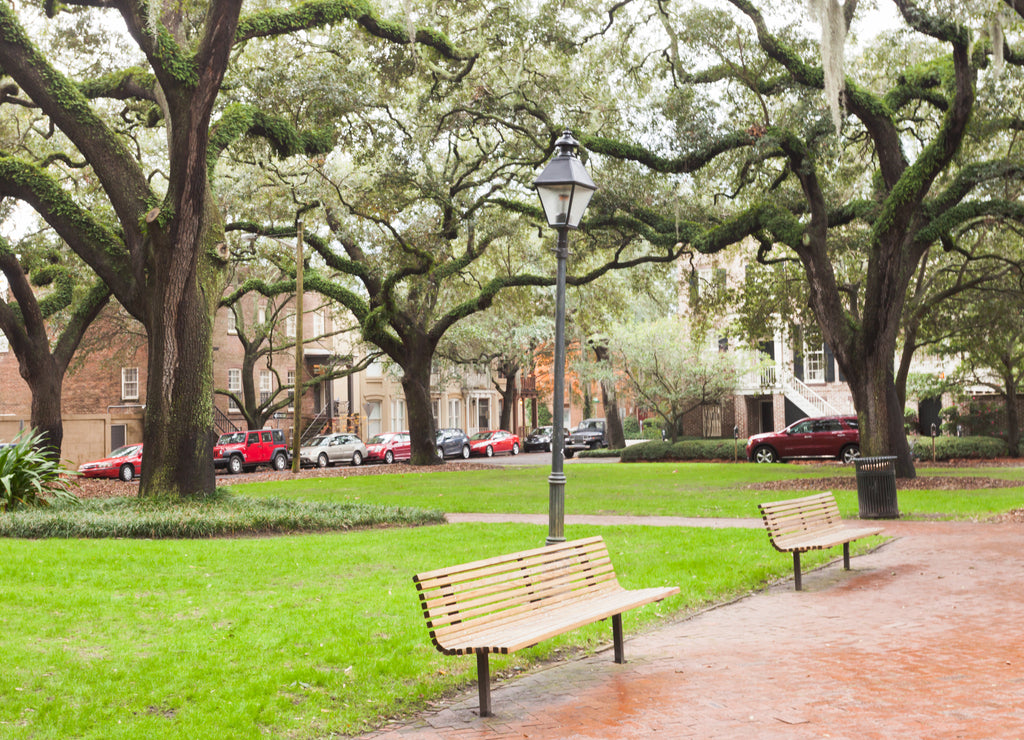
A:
x,y
389,447
124,463
494,442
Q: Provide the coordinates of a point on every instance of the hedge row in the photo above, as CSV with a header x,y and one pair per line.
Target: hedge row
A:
x,y
959,448
946,448
687,449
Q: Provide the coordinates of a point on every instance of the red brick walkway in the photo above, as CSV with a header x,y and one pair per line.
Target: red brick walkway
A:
x,y
922,639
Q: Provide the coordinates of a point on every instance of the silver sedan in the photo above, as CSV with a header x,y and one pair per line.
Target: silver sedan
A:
x,y
331,449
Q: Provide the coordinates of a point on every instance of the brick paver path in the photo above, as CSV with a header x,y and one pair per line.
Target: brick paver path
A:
x,y
922,639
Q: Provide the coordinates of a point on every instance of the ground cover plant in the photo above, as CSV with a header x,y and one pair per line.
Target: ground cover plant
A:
x,y
216,516
293,636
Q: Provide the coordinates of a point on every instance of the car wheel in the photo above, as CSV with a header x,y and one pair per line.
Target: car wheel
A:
x,y
235,465
126,473
440,453
280,462
322,461
547,447
515,448
357,458
765,455
849,454
568,453
465,452
490,451
389,457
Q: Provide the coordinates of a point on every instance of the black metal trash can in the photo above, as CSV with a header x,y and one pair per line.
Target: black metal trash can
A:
x,y
876,487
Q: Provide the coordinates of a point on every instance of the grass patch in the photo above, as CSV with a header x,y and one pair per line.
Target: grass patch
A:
x,y
636,489
295,636
219,516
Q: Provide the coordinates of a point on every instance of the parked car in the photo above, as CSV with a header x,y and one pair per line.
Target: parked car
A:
x,y
540,439
494,442
244,450
331,449
452,443
124,463
389,447
589,435
822,436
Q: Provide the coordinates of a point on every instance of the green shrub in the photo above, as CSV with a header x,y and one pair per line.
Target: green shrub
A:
x,y
960,448
631,427
686,449
31,475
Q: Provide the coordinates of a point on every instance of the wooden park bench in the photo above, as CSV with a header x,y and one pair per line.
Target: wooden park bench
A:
x,y
810,523
510,602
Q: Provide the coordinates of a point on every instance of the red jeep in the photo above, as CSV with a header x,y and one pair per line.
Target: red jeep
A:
x,y
238,451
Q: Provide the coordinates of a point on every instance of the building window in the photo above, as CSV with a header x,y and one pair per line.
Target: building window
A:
x,y
234,386
129,384
375,369
814,364
291,384
232,324
373,413
4,344
397,415
266,385
318,323
289,326
483,413
261,315
435,407
454,413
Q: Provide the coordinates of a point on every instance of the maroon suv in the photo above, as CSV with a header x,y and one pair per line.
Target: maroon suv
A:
x,y
823,436
238,451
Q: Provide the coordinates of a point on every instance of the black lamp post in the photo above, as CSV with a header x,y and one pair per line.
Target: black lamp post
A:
x,y
565,189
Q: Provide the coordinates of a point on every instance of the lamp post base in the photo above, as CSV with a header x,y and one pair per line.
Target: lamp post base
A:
x,y
556,509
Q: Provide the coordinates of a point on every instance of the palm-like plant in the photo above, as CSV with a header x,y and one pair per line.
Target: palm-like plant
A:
x,y
31,475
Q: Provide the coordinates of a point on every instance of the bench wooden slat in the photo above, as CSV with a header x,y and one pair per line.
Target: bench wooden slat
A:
x,y
809,523
509,602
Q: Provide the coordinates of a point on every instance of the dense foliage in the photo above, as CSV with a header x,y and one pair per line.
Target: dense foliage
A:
x,y
31,476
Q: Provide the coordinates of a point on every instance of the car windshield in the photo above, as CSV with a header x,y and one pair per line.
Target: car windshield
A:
x,y
379,439
319,441
231,438
124,451
541,431
481,435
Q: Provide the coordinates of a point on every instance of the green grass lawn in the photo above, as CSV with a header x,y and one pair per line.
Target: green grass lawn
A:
x,y
662,489
311,636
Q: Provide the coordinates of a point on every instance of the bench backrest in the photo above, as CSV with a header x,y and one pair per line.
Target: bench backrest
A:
x,y
501,589
800,516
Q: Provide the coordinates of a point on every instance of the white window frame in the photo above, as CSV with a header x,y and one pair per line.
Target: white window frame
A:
x,y
289,326
129,384
266,385
814,364
373,418
455,412
398,414
318,324
483,413
375,369
234,386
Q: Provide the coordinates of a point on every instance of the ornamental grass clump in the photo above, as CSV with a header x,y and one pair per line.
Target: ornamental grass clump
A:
x,y
31,475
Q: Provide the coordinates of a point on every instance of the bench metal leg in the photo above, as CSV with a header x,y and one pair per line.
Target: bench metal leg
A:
x,y
620,653
483,680
796,569
846,555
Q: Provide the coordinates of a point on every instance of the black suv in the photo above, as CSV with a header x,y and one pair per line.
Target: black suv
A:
x,y
589,435
452,443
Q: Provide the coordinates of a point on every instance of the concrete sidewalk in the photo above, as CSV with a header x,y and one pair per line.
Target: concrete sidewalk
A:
x,y
922,639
